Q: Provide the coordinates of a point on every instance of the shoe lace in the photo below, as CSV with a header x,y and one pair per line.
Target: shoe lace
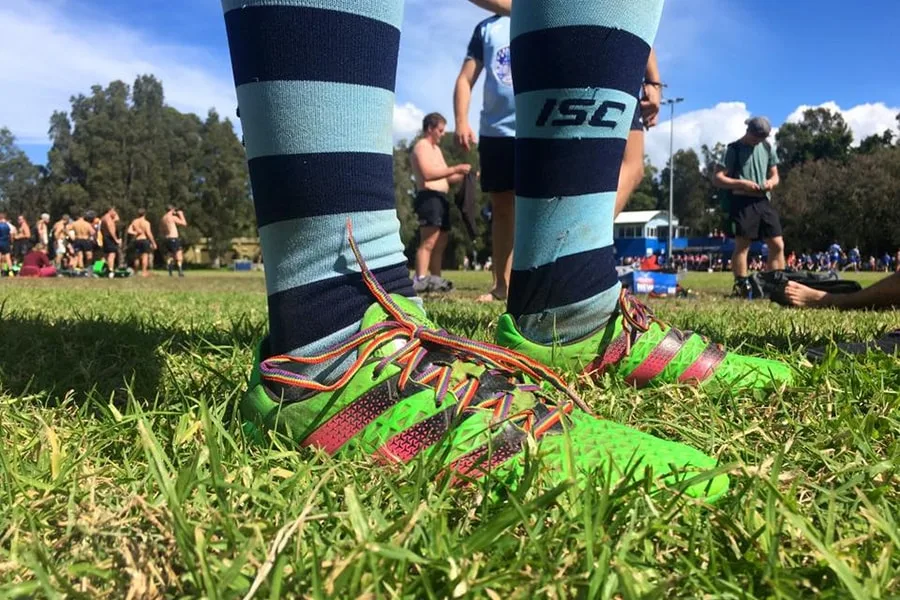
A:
x,y
637,318
417,343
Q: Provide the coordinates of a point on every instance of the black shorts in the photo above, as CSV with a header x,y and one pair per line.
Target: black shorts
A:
x,y
83,246
109,246
142,246
173,245
754,218
21,247
498,163
433,209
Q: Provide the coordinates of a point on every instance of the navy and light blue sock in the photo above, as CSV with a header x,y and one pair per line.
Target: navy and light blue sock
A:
x,y
576,66
315,86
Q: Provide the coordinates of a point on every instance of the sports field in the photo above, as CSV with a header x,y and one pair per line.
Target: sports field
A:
x,y
123,475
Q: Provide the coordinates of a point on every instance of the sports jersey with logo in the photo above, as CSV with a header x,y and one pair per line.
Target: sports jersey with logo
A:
x,y
490,47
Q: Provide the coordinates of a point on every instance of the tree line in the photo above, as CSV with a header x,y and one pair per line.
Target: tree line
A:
x,y
124,146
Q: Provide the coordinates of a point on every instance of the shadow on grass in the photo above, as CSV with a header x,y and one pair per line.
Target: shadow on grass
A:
x,y
98,357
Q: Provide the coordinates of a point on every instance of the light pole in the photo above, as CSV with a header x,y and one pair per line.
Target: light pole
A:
x,y
671,102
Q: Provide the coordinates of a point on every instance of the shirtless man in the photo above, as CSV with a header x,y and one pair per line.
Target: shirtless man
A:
x,y
83,244
111,241
22,243
169,225
144,243
433,181
60,236
43,230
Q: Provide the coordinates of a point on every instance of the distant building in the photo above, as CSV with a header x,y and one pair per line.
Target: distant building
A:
x,y
635,231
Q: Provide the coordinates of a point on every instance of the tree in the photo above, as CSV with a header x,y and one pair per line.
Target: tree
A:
x,y
821,134
19,178
824,201
876,142
692,191
647,194
222,209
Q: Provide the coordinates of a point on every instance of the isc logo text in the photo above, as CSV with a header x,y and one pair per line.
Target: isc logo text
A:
x,y
574,112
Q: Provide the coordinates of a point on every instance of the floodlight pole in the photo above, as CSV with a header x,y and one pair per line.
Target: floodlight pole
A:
x,y
671,102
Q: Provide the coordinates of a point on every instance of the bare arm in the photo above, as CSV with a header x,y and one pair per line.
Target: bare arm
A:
x,y
724,182
462,98
774,179
179,219
431,171
132,230
500,7
150,236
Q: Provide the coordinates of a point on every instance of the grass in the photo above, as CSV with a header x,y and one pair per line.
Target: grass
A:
x,y
124,475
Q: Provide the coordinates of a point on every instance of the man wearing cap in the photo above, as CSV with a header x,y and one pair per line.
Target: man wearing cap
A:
x,y
747,174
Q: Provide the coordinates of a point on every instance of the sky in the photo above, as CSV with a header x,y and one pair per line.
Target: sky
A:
x,y
727,58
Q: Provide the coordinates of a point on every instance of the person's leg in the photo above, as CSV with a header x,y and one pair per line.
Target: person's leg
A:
x,y
884,294
111,263
436,260
316,113
632,171
575,102
428,240
179,261
503,227
776,260
739,257
575,66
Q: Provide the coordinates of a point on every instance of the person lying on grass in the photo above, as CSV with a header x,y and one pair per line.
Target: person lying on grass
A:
x,y
884,294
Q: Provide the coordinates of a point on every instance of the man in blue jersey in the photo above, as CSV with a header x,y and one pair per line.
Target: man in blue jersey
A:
x,y
5,243
489,52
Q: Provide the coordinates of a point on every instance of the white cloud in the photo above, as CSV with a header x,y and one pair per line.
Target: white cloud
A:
x,y
47,55
407,121
721,123
864,119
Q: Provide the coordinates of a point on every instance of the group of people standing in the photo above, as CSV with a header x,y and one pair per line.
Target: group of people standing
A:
x,y
77,244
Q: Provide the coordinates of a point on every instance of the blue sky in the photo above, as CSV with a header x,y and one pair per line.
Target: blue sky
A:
x,y
728,58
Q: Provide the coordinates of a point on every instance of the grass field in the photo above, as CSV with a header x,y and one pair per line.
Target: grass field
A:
x,y
123,474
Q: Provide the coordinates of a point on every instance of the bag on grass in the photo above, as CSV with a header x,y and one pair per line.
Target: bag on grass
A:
x,y
771,284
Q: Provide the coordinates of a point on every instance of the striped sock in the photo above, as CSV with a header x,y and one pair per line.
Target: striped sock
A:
x,y
315,87
576,67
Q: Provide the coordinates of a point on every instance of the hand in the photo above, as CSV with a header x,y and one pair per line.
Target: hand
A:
x,y
463,169
650,102
465,137
750,186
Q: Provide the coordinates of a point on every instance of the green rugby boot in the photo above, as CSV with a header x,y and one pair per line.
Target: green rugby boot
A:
x,y
414,390
644,351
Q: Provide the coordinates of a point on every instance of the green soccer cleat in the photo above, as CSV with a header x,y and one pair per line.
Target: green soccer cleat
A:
x,y
643,350
416,391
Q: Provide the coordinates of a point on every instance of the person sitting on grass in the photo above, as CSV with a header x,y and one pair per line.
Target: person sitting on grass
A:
x,y
884,294
36,263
